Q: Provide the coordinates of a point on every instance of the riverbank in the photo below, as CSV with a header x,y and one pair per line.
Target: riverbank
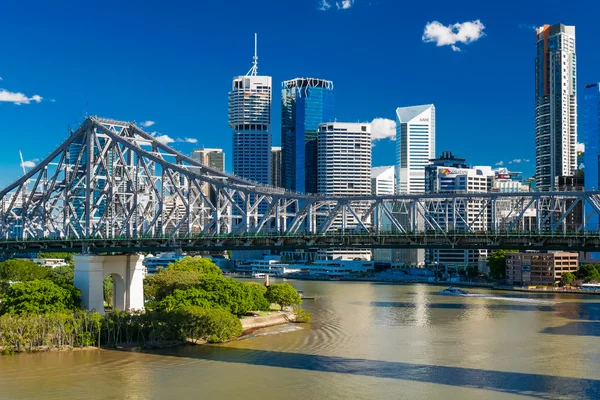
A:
x,y
250,324
483,285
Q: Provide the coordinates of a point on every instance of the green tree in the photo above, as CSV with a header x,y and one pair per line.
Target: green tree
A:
x,y
497,264
190,297
18,270
163,284
568,278
283,294
211,325
589,272
258,293
39,297
63,275
228,294
203,266
68,257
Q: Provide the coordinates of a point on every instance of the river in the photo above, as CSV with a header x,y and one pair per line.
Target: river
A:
x,y
366,341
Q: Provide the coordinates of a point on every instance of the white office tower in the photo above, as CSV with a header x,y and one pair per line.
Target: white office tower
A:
x,y
415,146
448,174
382,184
344,169
250,120
556,105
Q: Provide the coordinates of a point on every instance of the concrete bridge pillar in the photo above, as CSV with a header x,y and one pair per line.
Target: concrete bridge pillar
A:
x,y
127,272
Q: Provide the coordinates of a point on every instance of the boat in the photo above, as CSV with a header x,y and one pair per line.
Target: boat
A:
x,y
258,275
454,291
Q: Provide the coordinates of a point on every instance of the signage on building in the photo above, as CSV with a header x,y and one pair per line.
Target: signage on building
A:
x,y
453,171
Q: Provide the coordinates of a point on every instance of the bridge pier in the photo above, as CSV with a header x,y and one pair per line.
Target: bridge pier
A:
x,y
127,272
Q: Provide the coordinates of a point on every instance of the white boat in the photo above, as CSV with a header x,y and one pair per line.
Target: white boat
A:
x,y
258,275
452,291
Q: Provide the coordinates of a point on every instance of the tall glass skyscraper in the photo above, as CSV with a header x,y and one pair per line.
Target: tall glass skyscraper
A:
x,y
556,105
305,103
250,120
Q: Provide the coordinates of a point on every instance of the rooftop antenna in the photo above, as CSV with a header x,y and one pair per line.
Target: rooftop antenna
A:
x,y
254,70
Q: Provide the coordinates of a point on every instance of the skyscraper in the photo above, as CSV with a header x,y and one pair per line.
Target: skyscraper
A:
x,y
250,120
305,103
213,158
556,105
344,169
382,183
276,166
415,146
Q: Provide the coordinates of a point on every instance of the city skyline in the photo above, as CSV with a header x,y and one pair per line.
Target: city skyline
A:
x,y
109,90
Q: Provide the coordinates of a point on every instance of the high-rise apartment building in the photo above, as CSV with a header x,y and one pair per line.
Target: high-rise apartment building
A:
x,y
250,121
448,174
556,105
344,169
305,103
276,166
415,146
213,158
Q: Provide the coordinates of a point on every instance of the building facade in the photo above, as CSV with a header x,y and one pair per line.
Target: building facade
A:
x,y
415,146
344,169
383,182
250,121
449,174
276,166
543,269
305,103
556,105
213,158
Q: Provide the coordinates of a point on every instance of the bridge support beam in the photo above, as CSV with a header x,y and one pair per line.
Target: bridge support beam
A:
x,y
127,272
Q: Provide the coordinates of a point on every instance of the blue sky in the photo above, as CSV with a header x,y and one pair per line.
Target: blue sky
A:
x,y
172,63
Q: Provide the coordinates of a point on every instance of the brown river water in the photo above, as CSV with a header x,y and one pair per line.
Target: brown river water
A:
x,y
366,341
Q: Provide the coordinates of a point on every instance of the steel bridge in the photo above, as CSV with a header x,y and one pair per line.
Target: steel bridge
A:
x,y
111,187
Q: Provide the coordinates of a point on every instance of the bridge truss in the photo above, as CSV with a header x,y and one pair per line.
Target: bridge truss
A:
x,y
111,180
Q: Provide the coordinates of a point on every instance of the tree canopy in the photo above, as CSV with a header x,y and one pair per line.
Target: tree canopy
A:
x,y
203,266
283,294
567,278
589,272
39,297
497,264
19,270
62,275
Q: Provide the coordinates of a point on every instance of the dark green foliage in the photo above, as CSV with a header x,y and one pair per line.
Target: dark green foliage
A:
x,y
228,294
211,325
68,257
567,278
63,275
283,294
497,264
258,293
163,284
184,298
203,266
17,270
39,297
589,272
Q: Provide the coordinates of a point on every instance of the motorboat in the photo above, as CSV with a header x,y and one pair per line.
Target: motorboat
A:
x,y
454,291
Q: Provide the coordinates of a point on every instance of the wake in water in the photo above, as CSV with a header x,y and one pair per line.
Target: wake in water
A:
x,y
516,299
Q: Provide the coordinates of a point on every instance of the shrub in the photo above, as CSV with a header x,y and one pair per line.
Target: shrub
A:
x,y
211,325
301,315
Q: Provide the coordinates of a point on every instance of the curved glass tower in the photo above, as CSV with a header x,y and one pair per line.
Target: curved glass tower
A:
x,y
305,103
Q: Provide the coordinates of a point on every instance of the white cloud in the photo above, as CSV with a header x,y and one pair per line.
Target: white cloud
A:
x,y
383,128
1,78
164,139
499,163
441,35
519,161
323,5
52,101
147,124
190,140
344,4
28,164
18,98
